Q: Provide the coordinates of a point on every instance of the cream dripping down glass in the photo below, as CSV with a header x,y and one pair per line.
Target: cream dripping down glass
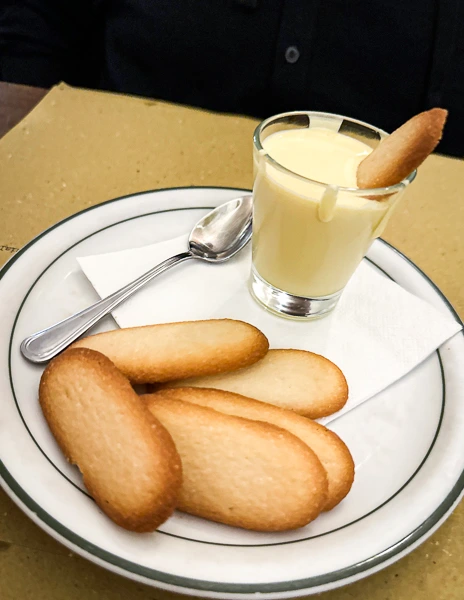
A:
x,y
312,225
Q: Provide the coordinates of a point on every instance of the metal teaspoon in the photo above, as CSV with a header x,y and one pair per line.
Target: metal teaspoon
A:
x,y
218,236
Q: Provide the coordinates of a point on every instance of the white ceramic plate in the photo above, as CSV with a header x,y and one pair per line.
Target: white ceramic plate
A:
x,y
407,442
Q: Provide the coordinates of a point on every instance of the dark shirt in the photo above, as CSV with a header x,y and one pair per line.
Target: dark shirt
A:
x,y
381,61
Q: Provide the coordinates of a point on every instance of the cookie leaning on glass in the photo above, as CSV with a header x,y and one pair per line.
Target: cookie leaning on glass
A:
x,y
403,151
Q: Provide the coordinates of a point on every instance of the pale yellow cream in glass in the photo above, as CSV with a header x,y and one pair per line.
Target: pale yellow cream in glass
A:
x,y
309,238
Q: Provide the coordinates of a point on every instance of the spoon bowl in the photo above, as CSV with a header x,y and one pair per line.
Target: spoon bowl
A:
x,y
223,232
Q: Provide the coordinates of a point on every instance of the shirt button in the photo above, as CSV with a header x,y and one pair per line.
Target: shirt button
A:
x,y
292,54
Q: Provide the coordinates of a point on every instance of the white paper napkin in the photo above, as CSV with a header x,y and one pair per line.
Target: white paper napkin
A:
x,y
378,333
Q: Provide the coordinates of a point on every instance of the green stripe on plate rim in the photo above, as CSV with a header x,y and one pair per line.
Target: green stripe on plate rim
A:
x,y
179,536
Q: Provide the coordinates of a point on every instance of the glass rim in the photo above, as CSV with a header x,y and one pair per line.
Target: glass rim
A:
x,y
382,191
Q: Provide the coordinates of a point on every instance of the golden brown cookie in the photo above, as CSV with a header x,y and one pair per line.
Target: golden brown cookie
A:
x,y
128,460
242,472
306,383
178,350
328,447
403,151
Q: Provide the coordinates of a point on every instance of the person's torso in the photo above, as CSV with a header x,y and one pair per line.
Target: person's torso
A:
x,y
370,60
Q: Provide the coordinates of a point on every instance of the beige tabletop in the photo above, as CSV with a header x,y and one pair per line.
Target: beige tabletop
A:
x,y
78,148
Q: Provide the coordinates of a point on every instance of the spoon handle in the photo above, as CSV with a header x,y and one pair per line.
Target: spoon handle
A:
x,y
45,344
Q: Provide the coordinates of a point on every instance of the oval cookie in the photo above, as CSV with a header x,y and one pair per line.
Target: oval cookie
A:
x,y
127,458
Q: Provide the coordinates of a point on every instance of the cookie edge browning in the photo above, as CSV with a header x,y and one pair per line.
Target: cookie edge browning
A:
x,y
328,433
258,348
146,521
298,521
338,400
344,491
420,136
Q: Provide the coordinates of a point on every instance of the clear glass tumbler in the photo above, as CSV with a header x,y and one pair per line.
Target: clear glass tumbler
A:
x,y
308,236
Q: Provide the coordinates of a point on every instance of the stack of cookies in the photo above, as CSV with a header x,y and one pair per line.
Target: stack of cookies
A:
x,y
226,432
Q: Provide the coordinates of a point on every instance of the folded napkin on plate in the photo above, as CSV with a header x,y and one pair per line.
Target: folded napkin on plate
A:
x,y
378,333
